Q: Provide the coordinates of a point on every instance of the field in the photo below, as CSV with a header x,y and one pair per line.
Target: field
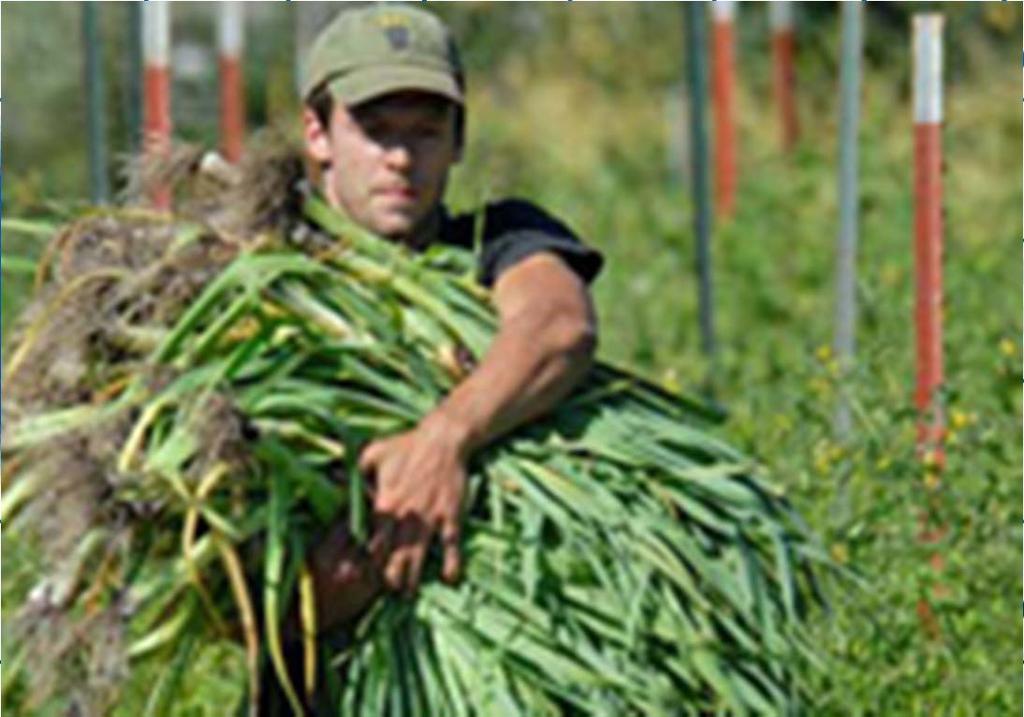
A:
x,y
606,170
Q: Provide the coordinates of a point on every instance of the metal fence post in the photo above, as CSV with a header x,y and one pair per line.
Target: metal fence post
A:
x,y
697,80
95,95
846,255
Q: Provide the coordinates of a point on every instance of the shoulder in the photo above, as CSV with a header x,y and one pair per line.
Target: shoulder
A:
x,y
510,230
499,218
511,215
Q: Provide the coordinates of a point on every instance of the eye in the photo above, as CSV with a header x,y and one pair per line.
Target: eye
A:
x,y
431,129
373,128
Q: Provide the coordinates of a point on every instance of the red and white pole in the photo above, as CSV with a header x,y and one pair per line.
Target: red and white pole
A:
x,y
783,72
230,34
723,96
156,122
928,229
928,282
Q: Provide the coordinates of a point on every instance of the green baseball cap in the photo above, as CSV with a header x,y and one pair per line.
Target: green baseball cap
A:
x,y
381,48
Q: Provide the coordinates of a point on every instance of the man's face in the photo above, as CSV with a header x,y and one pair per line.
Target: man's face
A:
x,y
387,158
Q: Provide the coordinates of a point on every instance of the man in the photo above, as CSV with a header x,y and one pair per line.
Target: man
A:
x,y
384,121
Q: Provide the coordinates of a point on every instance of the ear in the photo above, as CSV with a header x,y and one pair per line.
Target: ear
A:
x,y
316,136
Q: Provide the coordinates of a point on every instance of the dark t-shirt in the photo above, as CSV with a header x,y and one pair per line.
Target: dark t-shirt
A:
x,y
513,230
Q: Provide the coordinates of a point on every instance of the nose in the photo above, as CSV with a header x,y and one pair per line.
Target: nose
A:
x,y
398,156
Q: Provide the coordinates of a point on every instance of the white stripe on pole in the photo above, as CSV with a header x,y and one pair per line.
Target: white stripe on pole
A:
x,y
780,15
156,32
723,10
230,29
928,68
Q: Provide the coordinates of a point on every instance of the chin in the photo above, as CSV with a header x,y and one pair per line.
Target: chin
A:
x,y
393,228
394,225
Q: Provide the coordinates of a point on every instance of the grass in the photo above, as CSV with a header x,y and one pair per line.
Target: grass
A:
x,y
774,266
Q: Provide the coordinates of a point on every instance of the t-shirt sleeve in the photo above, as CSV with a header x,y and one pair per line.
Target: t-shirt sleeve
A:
x,y
515,229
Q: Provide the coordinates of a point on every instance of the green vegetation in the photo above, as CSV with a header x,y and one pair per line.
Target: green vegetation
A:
x,y
558,121
191,398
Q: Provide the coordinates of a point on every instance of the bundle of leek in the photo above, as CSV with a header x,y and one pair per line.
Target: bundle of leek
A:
x,y
620,560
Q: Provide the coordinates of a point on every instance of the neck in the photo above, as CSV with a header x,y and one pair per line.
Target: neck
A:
x,y
424,233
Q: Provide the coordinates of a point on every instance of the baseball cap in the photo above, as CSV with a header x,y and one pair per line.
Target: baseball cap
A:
x,y
373,50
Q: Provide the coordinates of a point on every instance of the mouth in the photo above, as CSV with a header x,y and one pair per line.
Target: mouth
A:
x,y
405,193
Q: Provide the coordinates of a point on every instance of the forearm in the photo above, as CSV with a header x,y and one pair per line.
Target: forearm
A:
x,y
533,363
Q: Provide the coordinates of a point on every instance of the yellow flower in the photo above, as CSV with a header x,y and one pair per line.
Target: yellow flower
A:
x,y
670,380
826,454
840,553
1008,348
959,420
824,353
932,480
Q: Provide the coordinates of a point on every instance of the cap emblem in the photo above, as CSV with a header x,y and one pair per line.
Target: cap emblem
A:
x,y
396,29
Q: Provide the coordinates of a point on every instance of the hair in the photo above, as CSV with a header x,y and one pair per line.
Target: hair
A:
x,y
321,101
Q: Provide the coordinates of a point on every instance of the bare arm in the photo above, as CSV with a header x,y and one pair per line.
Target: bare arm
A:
x,y
545,343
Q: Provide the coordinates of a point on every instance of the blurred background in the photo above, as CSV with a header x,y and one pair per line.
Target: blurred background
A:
x,y
583,108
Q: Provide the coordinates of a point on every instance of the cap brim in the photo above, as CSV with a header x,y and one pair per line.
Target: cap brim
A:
x,y
369,83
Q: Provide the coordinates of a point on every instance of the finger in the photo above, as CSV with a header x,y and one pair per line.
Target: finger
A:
x,y
397,568
370,456
450,544
344,554
414,566
346,572
394,571
350,568
383,540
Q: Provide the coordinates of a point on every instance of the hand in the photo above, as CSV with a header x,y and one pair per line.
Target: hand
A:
x,y
344,580
420,480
